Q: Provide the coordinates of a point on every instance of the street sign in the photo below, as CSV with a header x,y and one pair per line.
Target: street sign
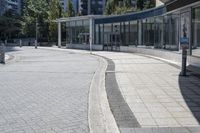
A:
x,y
184,41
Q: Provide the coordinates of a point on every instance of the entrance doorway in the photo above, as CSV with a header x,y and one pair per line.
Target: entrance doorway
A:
x,y
112,42
84,38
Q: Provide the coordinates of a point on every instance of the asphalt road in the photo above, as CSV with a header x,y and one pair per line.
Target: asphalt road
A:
x,y
45,91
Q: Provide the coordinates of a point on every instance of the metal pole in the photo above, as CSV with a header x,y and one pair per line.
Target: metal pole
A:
x,y
6,42
20,43
35,44
36,34
2,54
184,62
59,35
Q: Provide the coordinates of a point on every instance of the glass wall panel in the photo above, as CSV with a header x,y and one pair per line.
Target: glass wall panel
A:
x,y
121,31
126,34
68,33
196,31
175,31
158,32
133,33
73,31
79,29
101,39
171,32
148,32
107,32
86,24
97,34
77,32
116,36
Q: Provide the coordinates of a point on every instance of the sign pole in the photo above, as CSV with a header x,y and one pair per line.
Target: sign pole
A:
x,y
184,62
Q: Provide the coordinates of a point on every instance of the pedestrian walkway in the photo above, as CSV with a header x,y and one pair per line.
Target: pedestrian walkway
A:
x,y
45,91
148,95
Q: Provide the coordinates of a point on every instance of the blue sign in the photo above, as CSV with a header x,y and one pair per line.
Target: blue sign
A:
x,y
184,41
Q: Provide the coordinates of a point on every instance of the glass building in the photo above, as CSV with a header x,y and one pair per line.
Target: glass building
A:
x,y
91,7
160,28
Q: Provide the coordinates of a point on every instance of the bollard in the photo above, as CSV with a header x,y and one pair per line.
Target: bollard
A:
x,y
6,42
35,44
2,54
184,62
20,43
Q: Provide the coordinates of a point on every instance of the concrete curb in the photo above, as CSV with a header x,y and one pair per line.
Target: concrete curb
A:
x,y
101,119
66,50
9,58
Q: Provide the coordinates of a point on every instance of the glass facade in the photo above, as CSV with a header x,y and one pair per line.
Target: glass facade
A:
x,y
196,31
159,32
77,32
133,34
171,32
150,29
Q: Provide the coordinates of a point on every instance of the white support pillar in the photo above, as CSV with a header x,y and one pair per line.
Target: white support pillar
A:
x,y
20,43
91,33
59,35
140,34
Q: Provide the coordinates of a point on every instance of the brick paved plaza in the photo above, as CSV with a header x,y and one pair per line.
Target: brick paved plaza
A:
x,y
48,90
44,91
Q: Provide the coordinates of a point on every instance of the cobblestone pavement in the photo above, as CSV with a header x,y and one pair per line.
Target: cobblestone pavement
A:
x,y
45,91
150,96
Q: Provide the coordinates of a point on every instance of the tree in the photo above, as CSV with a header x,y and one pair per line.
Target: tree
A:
x,y
110,6
151,4
53,15
118,7
70,9
127,3
35,11
42,12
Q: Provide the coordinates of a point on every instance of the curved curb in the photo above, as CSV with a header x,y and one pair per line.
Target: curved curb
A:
x,y
101,119
9,59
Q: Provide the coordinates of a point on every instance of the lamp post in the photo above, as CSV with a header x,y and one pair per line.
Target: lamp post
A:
x,y
2,53
36,33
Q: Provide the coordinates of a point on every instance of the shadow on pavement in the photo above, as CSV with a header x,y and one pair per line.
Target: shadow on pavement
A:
x,y
11,49
190,89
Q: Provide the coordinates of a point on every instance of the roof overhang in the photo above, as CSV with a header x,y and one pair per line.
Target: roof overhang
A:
x,y
67,19
168,1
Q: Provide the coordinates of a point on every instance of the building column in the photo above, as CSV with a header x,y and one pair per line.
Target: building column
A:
x,y
140,32
59,35
91,33
162,33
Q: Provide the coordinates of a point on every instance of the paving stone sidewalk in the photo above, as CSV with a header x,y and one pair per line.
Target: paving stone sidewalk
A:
x,y
45,91
148,95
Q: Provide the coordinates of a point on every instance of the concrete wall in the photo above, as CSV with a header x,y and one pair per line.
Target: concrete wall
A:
x,y
175,57
84,46
168,55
